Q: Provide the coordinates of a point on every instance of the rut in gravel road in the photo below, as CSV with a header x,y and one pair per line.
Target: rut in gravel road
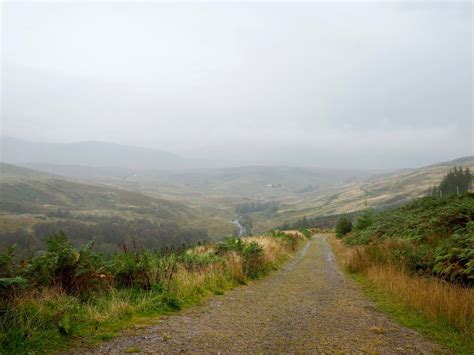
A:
x,y
308,306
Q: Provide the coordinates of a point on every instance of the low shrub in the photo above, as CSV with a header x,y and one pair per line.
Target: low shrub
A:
x,y
10,282
251,254
343,226
253,260
76,271
288,238
291,238
429,236
305,231
66,291
364,220
134,269
230,244
454,258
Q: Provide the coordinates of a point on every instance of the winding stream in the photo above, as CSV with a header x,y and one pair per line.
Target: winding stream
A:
x,y
242,230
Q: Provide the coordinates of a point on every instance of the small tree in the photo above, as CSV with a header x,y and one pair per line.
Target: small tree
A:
x,y
286,226
343,226
365,219
302,223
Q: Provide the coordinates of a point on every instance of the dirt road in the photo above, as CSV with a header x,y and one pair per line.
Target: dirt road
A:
x,y
308,306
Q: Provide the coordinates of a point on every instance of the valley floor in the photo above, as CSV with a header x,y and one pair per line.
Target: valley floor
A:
x,y
308,306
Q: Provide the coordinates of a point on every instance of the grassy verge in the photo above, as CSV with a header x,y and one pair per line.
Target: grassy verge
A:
x,y
442,311
135,288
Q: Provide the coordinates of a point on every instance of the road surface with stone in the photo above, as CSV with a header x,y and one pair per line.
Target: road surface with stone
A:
x,y
307,306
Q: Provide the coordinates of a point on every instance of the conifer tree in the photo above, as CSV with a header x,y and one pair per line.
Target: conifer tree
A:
x,y
456,182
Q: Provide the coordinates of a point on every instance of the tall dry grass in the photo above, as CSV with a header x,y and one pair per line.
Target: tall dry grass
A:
x,y
42,319
436,299
274,250
218,276
235,268
187,284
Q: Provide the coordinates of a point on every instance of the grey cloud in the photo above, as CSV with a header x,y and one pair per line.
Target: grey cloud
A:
x,y
315,83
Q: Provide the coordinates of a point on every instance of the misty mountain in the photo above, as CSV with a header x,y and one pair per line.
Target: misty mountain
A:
x,y
29,197
144,169
378,191
35,191
245,181
257,181
94,154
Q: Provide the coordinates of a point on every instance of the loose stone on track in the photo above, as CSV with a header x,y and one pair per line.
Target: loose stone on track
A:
x,y
307,306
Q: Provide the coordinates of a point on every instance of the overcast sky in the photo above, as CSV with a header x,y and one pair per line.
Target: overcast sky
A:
x,y
355,84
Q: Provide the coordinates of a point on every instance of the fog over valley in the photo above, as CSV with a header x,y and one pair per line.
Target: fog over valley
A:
x,y
355,85
256,177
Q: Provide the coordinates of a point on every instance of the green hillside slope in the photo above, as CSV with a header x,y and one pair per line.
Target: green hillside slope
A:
x,y
439,235
378,192
34,204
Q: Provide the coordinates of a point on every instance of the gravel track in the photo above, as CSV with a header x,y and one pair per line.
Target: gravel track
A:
x,y
307,306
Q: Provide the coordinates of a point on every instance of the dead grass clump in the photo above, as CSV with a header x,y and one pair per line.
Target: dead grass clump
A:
x,y
274,250
295,234
342,252
115,307
201,250
188,282
234,266
438,300
392,252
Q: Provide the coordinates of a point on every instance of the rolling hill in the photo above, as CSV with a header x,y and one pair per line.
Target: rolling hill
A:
x,y
37,191
148,170
378,191
213,192
201,197
93,154
237,182
29,197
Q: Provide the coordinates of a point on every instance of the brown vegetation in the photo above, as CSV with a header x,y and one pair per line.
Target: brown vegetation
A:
x,y
436,299
42,314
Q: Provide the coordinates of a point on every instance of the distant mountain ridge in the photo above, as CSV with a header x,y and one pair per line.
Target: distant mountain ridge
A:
x,y
18,151
99,154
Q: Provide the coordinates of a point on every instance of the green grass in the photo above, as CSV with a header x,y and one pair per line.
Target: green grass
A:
x,y
440,332
44,317
145,308
430,236
37,329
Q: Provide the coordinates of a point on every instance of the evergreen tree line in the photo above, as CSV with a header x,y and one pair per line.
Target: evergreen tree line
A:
x,y
108,233
328,222
456,182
